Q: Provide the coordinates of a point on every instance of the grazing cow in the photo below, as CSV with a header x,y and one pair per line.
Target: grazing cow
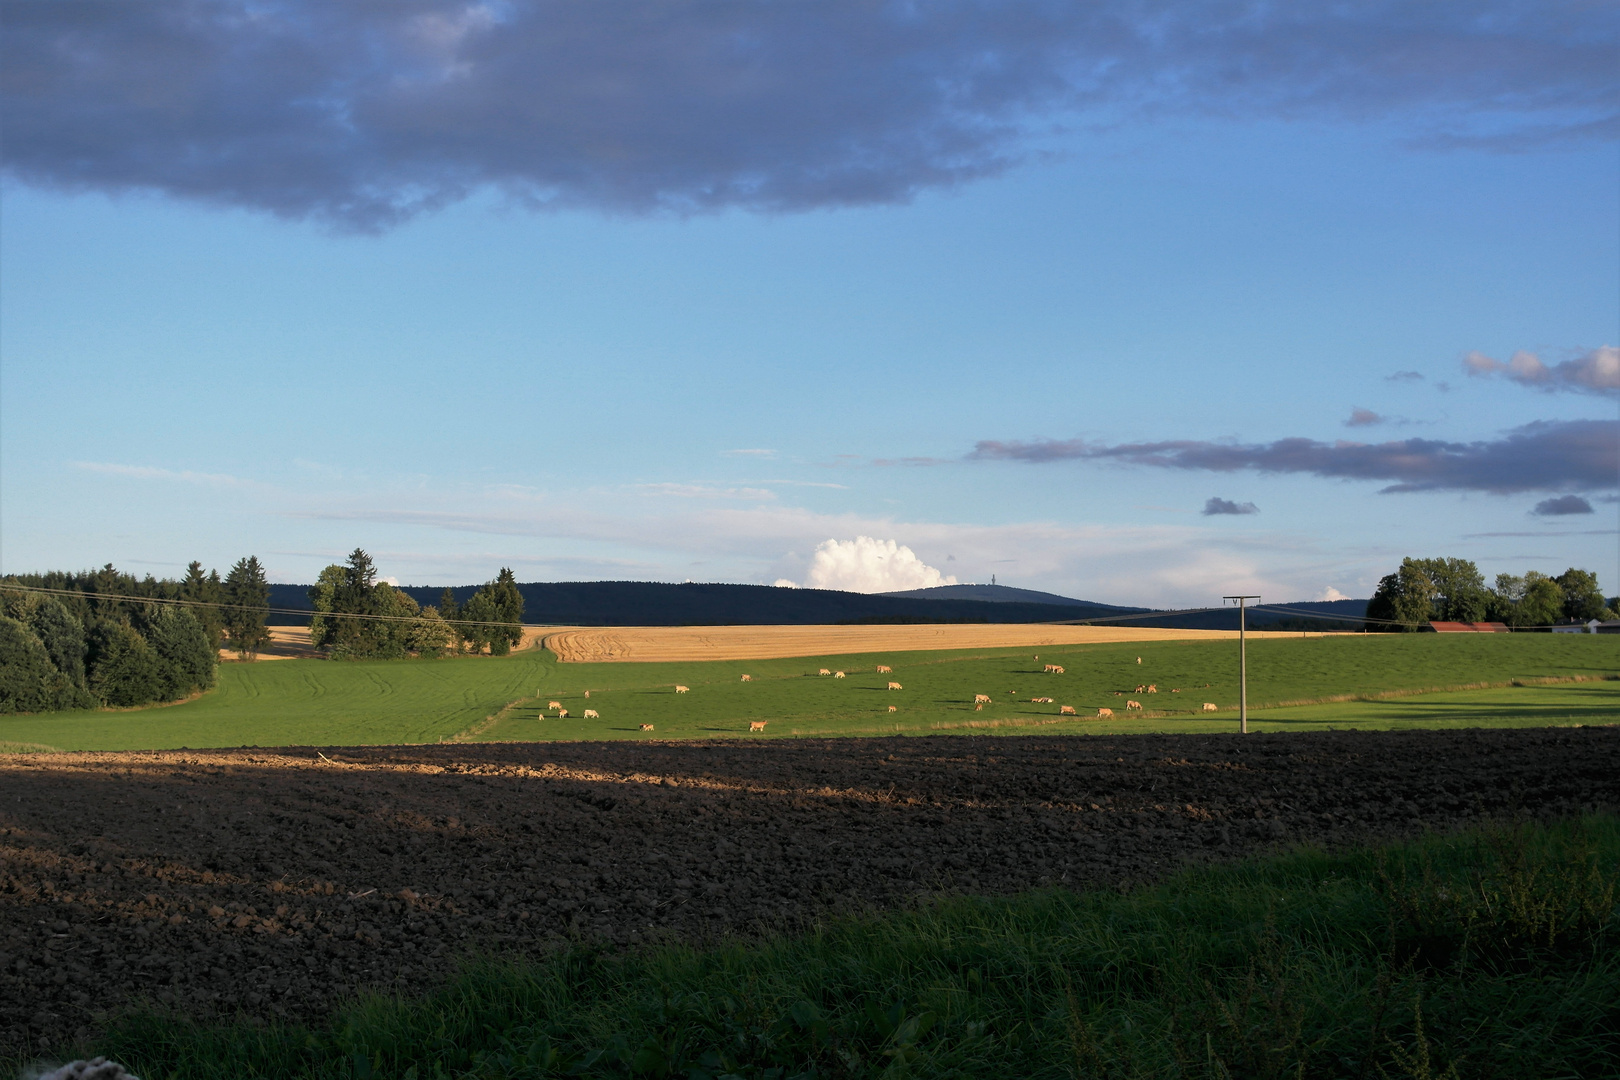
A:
x,y
1065,710
1141,687
748,678
981,699
825,671
679,689
1047,668
646,727
1040,701
978,708
1133,704
587,693
1209,706
894,708
562,714
884,669
839,675
1138,659
1152,688
895,686
757,725
1173,690
1057,669
1105,712
592,714
553,704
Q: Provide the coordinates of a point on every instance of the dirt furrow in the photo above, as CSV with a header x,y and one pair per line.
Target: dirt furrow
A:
x,y
276,882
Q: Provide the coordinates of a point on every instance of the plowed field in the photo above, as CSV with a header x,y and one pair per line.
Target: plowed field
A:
x,y
277,882
682,643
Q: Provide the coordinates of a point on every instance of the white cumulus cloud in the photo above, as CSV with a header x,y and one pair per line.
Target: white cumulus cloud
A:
x,y
1330,593
866,565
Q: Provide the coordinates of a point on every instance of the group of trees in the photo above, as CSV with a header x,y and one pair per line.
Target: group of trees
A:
x,y
358,617
79,640
1454,590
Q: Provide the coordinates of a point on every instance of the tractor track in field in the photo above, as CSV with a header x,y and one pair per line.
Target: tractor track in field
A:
x,y
275,883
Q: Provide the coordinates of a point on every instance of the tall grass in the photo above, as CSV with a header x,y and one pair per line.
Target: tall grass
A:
x,y
1489,954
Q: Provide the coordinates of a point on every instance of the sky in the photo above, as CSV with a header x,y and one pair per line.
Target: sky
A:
x,y
1142,303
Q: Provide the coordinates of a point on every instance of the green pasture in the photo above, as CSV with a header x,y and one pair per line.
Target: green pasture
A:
x,y
1436,681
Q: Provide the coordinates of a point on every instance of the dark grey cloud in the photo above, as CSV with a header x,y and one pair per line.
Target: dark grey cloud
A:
x,y
1561,506
1363,418
1215,505
1405,376
1548,455
365,112
1595,371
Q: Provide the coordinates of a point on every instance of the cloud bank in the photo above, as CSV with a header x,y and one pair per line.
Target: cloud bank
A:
x,y
1596,371
1548,455
865,565
365,114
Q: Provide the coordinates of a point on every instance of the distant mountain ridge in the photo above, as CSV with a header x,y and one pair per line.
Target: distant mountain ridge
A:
x,y
999,594
653,603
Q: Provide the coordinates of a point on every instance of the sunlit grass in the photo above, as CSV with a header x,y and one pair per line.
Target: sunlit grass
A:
x,y
317,702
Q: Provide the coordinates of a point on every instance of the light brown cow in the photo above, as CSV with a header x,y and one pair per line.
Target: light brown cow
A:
x,y
747,678
646,727
1209,706
1133,704
825,671
895,686
1105,712
1141,687
981,699
1057,669
757,725
1152,688
839,675
1065,710
1138,659
592,714
587,693
894,708
553,704
1040,701
679,689
562,714
884,669
978,708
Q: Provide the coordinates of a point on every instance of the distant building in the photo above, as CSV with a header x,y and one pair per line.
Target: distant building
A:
x,y
1469,627
1584,628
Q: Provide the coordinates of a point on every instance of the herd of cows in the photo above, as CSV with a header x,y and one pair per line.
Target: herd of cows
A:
x,y
979,700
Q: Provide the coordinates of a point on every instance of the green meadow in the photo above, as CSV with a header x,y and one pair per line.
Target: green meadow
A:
x,y
1348,681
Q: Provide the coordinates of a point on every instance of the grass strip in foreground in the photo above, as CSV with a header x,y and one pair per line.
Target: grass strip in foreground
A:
x,y
1490,954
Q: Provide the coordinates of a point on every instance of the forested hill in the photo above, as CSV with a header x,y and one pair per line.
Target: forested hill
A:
x,y
649,603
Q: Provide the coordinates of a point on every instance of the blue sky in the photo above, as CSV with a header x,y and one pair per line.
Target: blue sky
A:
x,y
1030,327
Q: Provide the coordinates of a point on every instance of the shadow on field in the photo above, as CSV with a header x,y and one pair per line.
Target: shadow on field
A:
x,y
278,882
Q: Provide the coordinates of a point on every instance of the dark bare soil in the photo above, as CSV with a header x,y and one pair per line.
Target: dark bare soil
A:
x,y
275,883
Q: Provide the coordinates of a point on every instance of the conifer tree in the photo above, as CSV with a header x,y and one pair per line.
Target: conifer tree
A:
x,y
247,596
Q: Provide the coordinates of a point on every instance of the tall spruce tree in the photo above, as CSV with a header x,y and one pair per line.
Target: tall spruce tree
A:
x,y
206,593
247,596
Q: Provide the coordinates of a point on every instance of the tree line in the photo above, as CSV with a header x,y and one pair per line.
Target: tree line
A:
x,y
105,637
1453,590
358,617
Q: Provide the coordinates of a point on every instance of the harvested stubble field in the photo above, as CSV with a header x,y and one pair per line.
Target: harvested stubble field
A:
x,y
680,644
279,883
